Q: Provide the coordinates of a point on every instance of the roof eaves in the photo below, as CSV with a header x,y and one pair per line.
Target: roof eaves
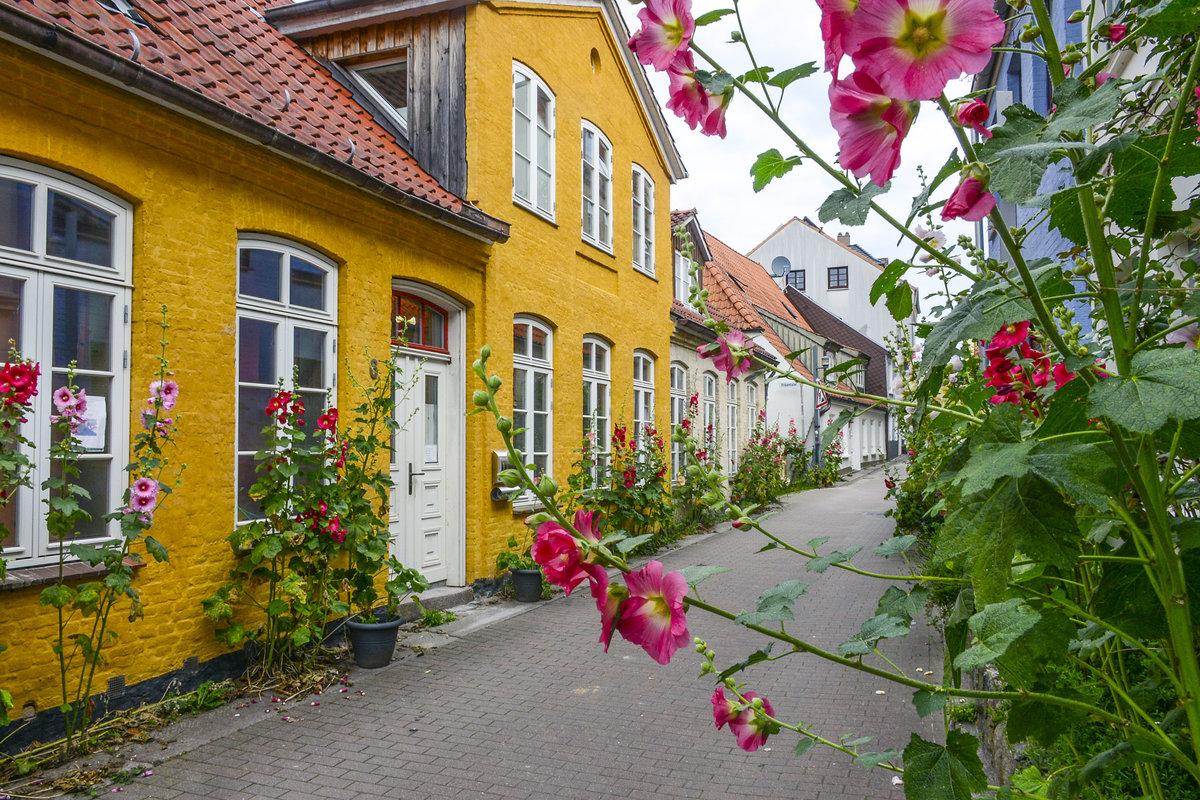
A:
x,y
69,48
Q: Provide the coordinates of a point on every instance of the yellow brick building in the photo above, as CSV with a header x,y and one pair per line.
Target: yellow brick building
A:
x,y
261,173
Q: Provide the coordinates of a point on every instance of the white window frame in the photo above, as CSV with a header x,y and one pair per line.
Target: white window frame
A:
x,y
643,222
731,424
683,277
40,274
643,394
597,390
708,406
538,154
287,317
751,409
679,404
532,367
397,116
596,190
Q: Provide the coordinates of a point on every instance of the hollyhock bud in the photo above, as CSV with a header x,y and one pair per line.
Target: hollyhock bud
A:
x,y
970,200
974,115
1116,33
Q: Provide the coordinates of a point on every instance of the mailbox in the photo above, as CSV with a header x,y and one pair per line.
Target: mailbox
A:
x,y
501,462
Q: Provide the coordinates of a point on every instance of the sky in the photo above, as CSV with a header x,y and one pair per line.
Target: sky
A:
x,y
785,33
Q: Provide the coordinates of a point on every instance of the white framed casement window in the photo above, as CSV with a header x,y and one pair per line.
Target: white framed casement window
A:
x,y
751,408
683,277
708,413
731,425
533,396
679,401
643,393
597,394
533,142
643,223
596,177
65,265
385,81
286,335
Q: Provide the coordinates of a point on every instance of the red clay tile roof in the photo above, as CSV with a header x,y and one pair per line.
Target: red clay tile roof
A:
x,y
225,52
755,285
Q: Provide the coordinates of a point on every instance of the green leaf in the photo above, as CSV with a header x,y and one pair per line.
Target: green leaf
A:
x,y
997,626
1164,385
754,658
898,603
792,74
900,302
804,745
771,165
156,549
1135,171
927,702
830,431
888,279
1039,720
1093,162
872,760
1172,18
710,17
632,543
88,554
881,626
696,574
896,545
849,207
758,75
1080,108
57,596
1065,215
856,741
716,82
775,604
817,542
1079,470
824,562
937,772
952,166
277,607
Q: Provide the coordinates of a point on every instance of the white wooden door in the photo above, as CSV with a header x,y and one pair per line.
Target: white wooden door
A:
x,y
426,469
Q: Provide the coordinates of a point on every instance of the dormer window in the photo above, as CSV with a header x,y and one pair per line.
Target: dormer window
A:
x,y
386,82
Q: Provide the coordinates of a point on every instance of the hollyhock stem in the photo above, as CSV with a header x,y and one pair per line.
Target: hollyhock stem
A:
x,y
1053,56
837,174
737,10
1107,277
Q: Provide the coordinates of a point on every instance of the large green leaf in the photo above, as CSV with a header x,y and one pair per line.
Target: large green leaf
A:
x,y
927,702
1080,108
943,772
881,626
996,627
791,74
1172,18
824,562
850,207
1040,720
771,165
1163,385
775,604
1080,470
888,279
1135,171
695,574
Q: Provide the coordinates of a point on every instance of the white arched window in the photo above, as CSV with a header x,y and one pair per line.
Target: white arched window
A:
x,y
597,181
643,221
286,332
65,268
533,393
533,142
679,400
643,392
597,391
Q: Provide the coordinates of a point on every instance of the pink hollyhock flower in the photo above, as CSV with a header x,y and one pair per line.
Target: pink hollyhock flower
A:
x,y
723,357
969,201
871,126
714,121
1186,336
1104,78
144,487
1061,375
935,238
724,710
629,478
913,48
143,504
64,400
690,101
667,27
611,601
653,615
559,556
750,728
166,391
834,16
974,115
1010,335
328,420
1116,32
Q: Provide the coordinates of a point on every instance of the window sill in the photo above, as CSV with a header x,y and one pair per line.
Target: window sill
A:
x,y
532,209
25,577
839,289
648,274
592,243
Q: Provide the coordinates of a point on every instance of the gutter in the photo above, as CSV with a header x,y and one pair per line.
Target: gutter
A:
x,y
112,68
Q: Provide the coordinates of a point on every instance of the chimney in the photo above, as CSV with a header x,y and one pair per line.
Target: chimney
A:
x,y
844,238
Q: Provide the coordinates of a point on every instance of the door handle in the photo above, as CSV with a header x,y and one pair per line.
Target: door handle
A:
x,y
411,475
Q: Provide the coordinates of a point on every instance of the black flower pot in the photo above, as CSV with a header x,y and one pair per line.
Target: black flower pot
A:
x,y
527,585
373,642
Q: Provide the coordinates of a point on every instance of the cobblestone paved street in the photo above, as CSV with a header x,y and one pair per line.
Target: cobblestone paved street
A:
x,y
531,706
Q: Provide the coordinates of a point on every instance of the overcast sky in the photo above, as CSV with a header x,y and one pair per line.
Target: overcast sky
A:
x,y
784,34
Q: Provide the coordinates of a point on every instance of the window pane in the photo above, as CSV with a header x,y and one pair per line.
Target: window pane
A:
x,y
8,522
519,418
10,313
540,444
538,337
94,478
588,361
252,417
544,202
81,329
431,418
314,406
520,339
391,81
256,351
521,94
310,359
410,311
78,230
588,393
519,389
601,360
247,508
545,111
16,214
602,402
541,397
308,285
435,328
259,272
95,432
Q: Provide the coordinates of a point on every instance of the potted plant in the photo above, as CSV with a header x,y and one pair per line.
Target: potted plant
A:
x,y
372,631
526,574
